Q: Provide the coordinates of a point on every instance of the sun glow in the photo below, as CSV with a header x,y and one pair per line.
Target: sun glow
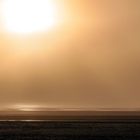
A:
x,y
29,16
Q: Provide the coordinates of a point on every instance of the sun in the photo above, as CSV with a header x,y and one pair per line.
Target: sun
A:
x,y
28,16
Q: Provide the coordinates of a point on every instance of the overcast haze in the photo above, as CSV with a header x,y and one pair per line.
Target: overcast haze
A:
x,y
91,59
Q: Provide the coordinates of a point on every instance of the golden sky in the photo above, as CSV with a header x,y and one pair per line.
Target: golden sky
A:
x,y
89,58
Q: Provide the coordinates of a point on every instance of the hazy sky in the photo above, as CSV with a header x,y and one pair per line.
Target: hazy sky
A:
x,y
90,59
